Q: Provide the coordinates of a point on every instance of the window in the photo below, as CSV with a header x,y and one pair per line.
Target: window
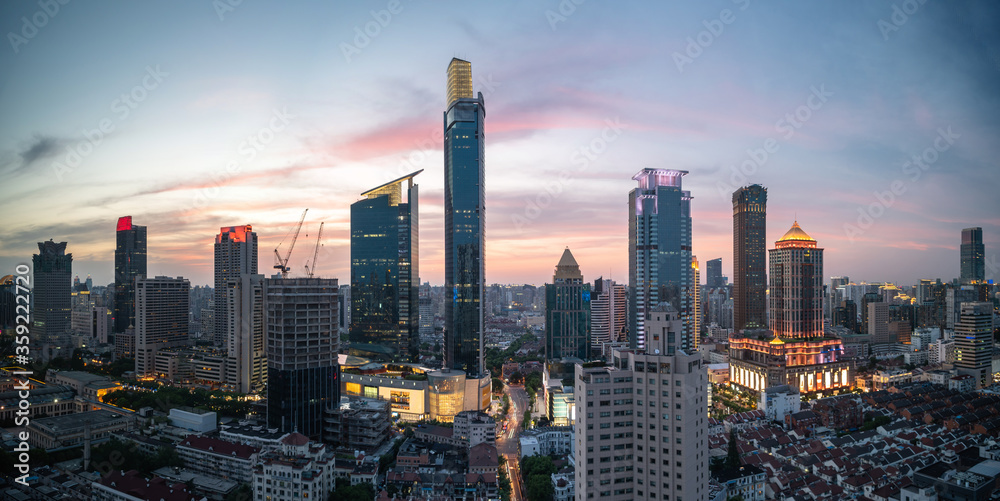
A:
x,y
678,394
678,429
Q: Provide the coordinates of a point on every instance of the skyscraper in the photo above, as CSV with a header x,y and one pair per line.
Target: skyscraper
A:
x,y
246,369
161,318
973,256
303,380
51,294
384,273
695,302
608,312
749,258
464,221
659,251
130,263
974,342
796,286
666,457
567,312
235,255
713,273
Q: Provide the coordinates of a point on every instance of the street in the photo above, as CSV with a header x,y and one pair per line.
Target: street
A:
x,y
508,443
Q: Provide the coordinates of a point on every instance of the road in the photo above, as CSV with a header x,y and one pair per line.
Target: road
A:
x,y
508,443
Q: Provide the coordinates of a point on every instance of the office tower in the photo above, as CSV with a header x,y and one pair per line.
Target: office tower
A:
x,y
846,315
161,318
696,313
973,256
878,322
659,251
246,363
835,295
384,274
796,268
974,342
954,297
749,258
866,299
608,312
8,303
464,221
130,263
51,301
344,305
650,444
799,354
426,310
713,273
300,319
720,307
235,255
567,312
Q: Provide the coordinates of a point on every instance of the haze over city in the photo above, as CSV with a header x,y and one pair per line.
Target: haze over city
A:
x,y
828,102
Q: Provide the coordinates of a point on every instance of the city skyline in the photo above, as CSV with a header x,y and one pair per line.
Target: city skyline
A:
x,y
357,117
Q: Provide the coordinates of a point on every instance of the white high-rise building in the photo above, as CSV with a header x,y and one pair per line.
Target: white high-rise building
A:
x,y
246,367
235,255
641,423
974,342
161,317
608,312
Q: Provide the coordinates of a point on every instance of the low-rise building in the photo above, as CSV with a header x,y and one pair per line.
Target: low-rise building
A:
x,y
474,428
361,425
223,459
547,441
779,401
70,429
963,382
48,400
129,485
255,435
198,421
747,481
297,470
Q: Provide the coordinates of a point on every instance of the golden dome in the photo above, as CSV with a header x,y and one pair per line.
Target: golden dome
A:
x,y
777,340
796,233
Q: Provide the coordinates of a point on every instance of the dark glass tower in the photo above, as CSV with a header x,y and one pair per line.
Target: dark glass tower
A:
x,y
130,263
567,312
235,255
749,258
52,270
713,272
303,375
464,221
384,275
973,261
660,253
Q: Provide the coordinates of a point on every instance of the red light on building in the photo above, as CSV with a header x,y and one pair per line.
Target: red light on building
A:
x,y
235,233
124,223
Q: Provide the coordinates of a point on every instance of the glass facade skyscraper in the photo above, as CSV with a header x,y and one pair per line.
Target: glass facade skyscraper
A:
x,y
973,256
567,312
51,301
384,273
464,215
303,375
749,258
130,263
659,252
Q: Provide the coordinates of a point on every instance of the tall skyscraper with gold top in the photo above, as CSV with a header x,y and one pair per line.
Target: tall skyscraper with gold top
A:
x,y
464,215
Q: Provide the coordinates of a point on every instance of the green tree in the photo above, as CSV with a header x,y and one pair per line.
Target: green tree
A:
x,y
527,419
733,454
241,493
540,488
344,491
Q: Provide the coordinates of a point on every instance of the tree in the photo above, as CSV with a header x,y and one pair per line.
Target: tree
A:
x,y
241,493
540,488
516,378
344,491
733,455
497,385
527,419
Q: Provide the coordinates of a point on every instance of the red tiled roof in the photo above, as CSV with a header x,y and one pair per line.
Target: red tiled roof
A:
x,y
133,484
221,447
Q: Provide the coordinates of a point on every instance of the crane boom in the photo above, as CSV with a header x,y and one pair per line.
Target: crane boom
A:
x,y
311,268
283,263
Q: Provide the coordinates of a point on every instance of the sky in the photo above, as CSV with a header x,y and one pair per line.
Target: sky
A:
x,y
876,125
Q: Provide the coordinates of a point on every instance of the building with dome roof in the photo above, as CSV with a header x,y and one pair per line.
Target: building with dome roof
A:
x,y
795,351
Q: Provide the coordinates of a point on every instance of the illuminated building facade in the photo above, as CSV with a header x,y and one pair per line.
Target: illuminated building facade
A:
x,y
161,318
567,312
52,287
749,258
974,342
303,376
695,291
464,214
608,312
973,256
659,252
246,361
130,263
384,274
796,351
235,255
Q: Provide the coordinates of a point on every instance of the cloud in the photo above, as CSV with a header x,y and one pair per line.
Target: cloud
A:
x,y
40,147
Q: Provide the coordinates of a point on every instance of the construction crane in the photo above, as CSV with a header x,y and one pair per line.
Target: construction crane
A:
x,y
311,268
283,263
